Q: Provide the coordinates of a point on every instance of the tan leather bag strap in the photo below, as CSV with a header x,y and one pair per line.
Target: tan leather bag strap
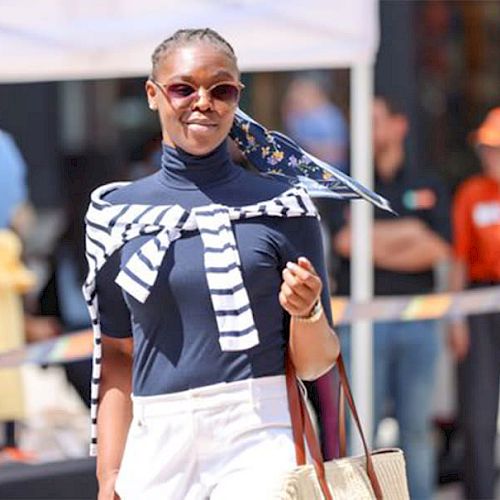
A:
x,y
347,394
302,426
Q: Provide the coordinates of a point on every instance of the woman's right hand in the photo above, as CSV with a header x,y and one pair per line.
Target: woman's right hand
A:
x,y
107,487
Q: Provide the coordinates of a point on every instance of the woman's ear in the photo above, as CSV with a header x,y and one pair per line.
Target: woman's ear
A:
x,y
151,94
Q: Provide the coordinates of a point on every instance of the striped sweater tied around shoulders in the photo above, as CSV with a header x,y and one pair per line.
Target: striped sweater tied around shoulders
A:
x,y
109,226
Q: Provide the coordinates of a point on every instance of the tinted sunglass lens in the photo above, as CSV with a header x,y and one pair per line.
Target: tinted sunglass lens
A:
x,y
225,92
180,90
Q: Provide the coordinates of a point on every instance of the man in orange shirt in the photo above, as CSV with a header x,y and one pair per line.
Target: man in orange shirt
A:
x,y
475,341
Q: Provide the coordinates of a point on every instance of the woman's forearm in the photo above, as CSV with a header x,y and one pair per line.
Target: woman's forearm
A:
x,y
314,347
115,407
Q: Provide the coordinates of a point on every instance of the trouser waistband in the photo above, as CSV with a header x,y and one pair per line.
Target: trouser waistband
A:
x,y
226,393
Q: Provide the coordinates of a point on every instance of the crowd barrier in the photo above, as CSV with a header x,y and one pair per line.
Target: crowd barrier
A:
x,y
78,345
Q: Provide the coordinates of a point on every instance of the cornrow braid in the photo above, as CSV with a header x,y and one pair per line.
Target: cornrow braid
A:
x,y
186,36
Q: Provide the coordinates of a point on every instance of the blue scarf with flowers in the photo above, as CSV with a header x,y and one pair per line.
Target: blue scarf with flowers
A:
x,y
275,154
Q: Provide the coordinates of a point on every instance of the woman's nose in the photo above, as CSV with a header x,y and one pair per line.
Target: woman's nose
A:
x,y
202,101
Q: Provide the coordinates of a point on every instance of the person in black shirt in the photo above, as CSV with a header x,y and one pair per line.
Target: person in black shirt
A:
x,y
405,251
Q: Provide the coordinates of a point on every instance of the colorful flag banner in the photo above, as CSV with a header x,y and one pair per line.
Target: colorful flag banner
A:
x,y
418,307
77,346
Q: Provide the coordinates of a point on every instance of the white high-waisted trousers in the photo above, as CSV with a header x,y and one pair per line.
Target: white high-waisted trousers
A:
x,y
229,441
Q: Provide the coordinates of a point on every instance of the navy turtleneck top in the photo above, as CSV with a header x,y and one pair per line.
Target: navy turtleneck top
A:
x,y
176,341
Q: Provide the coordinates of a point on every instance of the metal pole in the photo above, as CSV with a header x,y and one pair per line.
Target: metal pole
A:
x,y
361,258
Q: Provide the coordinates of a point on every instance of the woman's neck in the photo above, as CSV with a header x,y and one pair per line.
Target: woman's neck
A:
x,y
183,170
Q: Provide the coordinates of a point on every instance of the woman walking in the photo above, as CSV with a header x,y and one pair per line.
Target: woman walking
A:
x,y
219,271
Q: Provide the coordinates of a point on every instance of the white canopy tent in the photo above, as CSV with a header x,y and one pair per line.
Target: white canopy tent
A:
x,y
72,39
44,40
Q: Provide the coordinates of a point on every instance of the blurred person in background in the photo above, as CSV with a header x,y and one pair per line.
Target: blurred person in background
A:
x,y
62,297
405,251
13,207
16,219
15,280
475,340
314,121
13,187
318,125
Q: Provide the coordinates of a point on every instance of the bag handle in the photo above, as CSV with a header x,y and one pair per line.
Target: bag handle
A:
x,y
346,394
302,426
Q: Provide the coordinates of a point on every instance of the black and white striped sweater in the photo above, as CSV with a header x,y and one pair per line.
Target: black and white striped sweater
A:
x,y
110,226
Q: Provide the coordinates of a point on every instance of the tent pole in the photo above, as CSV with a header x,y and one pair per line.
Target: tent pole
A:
x,y
362,222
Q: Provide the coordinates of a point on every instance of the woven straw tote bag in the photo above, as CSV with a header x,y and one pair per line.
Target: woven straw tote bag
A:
x,y
376,475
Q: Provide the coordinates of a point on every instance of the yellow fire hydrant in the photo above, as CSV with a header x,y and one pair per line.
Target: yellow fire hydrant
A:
x,y
15,280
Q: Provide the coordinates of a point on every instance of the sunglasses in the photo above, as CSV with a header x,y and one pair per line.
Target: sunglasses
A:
x,y
182,94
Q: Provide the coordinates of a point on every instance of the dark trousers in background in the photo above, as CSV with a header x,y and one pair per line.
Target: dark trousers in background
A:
x,y
10,440
478,389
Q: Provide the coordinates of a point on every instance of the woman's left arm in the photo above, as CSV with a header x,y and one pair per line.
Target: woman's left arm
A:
x,y
313,345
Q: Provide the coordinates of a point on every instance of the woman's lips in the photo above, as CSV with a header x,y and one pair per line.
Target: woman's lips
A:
x,y
200,126
207,124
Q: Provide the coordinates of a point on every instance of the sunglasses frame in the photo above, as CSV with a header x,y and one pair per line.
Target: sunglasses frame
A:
x,y
196,91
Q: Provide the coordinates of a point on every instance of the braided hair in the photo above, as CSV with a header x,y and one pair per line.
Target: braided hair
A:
x,y
186,36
